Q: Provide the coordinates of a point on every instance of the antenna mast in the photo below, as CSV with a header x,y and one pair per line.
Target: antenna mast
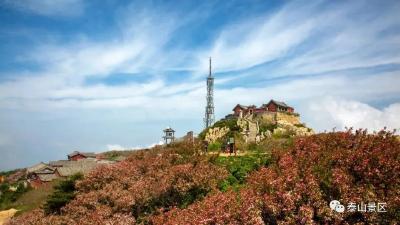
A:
x,y
209,114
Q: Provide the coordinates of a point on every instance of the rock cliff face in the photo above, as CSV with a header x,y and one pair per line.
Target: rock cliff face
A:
x,y
285,128
280,124
267,117
274,117
249,128
256,127
216,133
291,118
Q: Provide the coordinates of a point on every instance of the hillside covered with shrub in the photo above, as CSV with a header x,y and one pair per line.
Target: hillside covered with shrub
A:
x,y
279,181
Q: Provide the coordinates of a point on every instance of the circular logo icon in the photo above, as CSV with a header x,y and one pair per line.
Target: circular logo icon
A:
x,y
339,208
333,204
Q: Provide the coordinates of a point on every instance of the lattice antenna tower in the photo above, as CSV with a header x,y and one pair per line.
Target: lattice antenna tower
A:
x,y
209,114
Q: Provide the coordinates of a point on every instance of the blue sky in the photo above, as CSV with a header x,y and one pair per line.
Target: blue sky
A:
x,y
101,75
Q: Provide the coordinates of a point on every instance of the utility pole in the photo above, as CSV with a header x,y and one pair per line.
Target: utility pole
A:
x,y
209,114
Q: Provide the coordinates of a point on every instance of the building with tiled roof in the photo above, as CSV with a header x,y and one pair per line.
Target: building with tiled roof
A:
x,y
272,106
76,155
59,163
78,162
36,167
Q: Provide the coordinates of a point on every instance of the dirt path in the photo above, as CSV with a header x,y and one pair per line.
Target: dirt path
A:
x,y
6,215
223,154
239,153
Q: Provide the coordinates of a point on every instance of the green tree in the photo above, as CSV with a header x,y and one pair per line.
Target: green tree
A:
x,y
63,193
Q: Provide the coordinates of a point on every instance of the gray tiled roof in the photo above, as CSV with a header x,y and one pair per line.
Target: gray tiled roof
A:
x,y
81,166
87,154
59,163
36,167
46,170
242,106
282,104
47,177
169,129
105,161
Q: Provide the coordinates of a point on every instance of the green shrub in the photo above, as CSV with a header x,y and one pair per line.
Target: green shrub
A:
x,y
203,133
286,133
63,193
7,173
229,183
216,146
230,123
300,125
8,197
239,167
267,127
254,147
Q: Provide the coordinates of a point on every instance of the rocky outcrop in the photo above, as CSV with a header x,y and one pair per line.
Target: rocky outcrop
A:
x,y
242,124
213,134
249,127
274,117
256,127
292,118
253,130
263,135
285,128
267,117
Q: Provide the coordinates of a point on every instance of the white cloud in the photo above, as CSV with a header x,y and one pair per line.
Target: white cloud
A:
x,y
117,147
308,96
345,113
66,66
361,88
259,40
84,58
348,42
154,144
111,147
140,48
333,39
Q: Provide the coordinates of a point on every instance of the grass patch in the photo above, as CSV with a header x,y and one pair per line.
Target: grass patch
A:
x,y
214,147
33,198
114,154
8,197
239,167
230,123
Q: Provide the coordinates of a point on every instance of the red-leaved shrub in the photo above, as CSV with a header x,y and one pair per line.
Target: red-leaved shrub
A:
x,y
296,189
129,191
180,187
